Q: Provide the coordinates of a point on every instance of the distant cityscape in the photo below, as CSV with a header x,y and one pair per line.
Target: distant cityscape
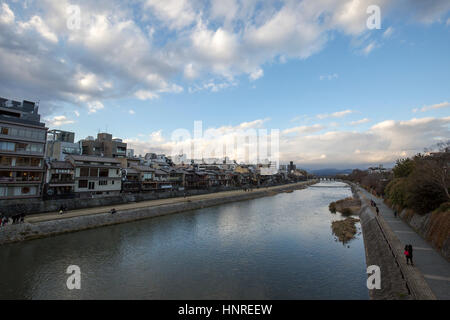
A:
x,y
39,163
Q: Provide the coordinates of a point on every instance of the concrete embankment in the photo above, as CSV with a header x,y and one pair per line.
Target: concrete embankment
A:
x,y
28,231
383,248
434,227
34,206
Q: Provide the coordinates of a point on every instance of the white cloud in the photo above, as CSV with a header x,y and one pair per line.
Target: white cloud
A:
x,y
441,105
131,111
95,106
211,43
6,14
41,27
389,140
174,13
304,129
256,74
388,33
369,48
329,76
57,121
338,114
361,121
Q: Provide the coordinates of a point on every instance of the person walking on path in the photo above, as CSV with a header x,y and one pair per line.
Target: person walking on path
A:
x,y
377,210
410,251
395,213
409,254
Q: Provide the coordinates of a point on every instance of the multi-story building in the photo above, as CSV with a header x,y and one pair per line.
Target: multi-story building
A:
x,y
22,147
96,176
59,180
104,146
61,144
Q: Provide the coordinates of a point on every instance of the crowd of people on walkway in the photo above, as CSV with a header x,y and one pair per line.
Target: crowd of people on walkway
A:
x,y
16,219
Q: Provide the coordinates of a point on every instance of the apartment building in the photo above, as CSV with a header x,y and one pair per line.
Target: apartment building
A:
x,y
22,147
104,146
96,176
61,144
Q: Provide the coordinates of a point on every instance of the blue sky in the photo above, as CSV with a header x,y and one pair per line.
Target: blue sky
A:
x,y
341,95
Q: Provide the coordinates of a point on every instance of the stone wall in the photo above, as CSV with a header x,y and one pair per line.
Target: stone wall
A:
x,y
422,224
378,252
34,206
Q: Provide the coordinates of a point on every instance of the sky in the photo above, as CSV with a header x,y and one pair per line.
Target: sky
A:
x,y
341,94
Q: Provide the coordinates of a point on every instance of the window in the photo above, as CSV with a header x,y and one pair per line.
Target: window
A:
x,y
112,182
103,183
35,162
7,146
25,190
103,172
93,172
91,185
84,172
5,161
82,184
4,130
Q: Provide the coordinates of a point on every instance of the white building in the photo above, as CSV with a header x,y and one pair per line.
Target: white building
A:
x,y
96,176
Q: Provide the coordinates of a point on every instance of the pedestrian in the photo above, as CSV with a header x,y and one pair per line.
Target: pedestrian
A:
x,y
113,210
410,254
61,209
377,210
395,213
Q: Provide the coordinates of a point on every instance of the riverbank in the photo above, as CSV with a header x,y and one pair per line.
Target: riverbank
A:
x,y
399,281
44,225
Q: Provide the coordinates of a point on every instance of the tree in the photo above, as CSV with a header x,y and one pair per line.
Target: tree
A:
x,y
403,168
434,169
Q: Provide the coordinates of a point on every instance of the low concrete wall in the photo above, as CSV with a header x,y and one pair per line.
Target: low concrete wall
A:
x,y
34,206
28,231
378,252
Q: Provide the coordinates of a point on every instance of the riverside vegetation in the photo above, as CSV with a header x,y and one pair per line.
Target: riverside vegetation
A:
x,y
345,230
418,188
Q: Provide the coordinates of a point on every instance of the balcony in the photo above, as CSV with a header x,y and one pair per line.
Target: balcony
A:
x,y
20,179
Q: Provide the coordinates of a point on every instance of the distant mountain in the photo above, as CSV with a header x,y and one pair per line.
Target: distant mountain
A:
x,y
330,171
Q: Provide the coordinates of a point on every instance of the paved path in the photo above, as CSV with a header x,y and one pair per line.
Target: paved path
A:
x,y
434,267
150,203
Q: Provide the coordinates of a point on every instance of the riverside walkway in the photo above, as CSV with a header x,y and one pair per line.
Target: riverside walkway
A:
x,y
434,268
36,218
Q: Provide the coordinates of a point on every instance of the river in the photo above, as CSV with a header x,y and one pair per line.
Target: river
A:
x,y
278,247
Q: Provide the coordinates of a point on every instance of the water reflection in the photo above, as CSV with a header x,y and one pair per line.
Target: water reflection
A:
x,y
277,247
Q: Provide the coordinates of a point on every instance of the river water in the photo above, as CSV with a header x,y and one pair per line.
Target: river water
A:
x,y
278,247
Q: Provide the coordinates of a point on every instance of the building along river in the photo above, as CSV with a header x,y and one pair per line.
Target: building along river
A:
x,y
277,247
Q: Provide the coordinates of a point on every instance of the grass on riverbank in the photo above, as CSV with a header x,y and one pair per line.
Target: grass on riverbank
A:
x,y
344,230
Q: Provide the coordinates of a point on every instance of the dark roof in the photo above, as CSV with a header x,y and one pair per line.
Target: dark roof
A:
x,y
94,159
60,165
143,168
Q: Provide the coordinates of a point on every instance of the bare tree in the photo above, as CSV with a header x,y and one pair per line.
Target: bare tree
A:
x,y
435,169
